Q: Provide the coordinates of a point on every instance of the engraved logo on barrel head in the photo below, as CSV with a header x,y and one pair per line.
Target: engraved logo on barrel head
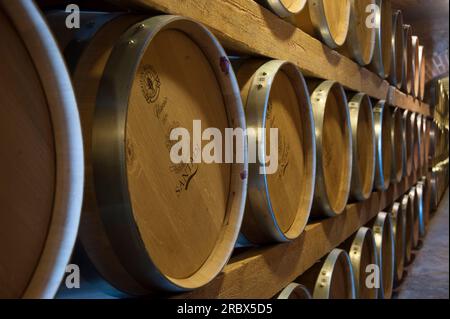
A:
x,y
150,83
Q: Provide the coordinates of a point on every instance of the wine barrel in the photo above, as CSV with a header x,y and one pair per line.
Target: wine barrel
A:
x,y
275,96
415,53
326,19
408,211
383,127
423,139
363,136
434,202
149,222
333,146
295,291
409,75
426,201
87,52
360,43
362,251
397,53
432,140
331,278
384,240
422,73
399,228
284,8
417,204
420,193
416,140
398,146
42,170
408,138
382,59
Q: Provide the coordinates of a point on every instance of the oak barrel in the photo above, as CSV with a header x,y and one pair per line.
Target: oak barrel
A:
x,y
408,139
383,127
334,148
362,251
415,54
422,73
384,240
326,19
397,53
426,200
420,193
382,57
276,97
409,76
360,43
331,278
416,140
151,223
399,228
398,146
41,172
295,291
408,210
417,205
363,136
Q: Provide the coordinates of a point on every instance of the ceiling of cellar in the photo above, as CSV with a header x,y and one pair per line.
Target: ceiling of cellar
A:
x,y
430,22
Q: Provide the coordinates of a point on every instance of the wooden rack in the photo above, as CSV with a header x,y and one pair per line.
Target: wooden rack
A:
x,y
245,27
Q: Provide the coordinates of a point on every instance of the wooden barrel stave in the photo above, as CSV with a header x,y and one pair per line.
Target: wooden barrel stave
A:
x,y
277,208
331,278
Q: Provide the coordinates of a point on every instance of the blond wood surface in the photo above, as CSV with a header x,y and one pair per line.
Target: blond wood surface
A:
x,y
27,164
284,114
244,26
263,272
398,145
179,227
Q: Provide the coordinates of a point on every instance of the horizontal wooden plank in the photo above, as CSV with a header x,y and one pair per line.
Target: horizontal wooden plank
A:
x,y
244,26
261,273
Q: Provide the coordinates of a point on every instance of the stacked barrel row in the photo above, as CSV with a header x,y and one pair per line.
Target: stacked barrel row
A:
x,y
150,223
441,109
372,263
370,32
